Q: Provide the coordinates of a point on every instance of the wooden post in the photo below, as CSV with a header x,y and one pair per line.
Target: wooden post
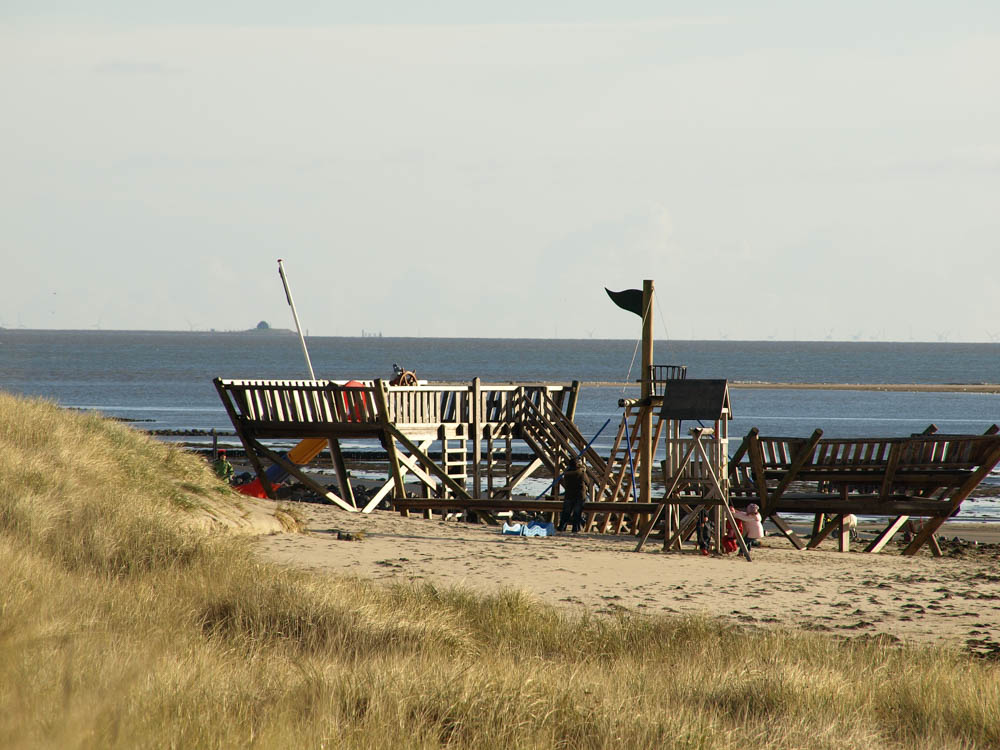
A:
x,y
343,477
477,436
390,443
215,445
646,442
573,398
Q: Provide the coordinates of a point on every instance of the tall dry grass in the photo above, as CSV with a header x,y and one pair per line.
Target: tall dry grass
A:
x,y
123,626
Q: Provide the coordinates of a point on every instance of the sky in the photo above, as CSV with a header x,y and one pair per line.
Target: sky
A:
x,y
781,170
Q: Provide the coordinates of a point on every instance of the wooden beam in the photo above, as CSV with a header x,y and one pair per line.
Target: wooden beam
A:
x,y
390,444
890,470
523,474
477,435
825,530
527,504
574,396
757,466
886,534
390,483
294,470
343,476
685,527
797,541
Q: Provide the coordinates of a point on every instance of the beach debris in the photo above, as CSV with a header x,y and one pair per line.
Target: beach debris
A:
x,y
350,536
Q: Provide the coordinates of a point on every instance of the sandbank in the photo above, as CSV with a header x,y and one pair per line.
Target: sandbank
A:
x,y
904,387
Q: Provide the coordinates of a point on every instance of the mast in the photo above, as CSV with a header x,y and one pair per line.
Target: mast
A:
x,y
295,316
646,428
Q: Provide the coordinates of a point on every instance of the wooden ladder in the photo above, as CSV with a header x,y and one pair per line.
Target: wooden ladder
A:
x,y
499,460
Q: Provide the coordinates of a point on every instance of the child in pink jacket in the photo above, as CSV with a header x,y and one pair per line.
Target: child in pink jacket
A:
x,y
753,527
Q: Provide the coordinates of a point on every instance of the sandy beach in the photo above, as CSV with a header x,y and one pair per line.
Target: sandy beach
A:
x,y
952,600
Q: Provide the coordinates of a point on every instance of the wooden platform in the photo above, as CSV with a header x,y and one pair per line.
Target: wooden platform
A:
x,y
470,425
926,476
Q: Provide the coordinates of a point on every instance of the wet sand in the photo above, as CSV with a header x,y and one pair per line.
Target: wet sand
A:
x,y
952,600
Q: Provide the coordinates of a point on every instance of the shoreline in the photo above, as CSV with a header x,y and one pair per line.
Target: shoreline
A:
x,y
897,387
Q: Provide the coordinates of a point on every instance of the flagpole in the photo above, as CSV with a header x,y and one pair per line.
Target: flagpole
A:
x,y
646,436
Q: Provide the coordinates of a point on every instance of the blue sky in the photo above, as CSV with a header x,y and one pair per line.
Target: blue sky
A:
x,y
447,170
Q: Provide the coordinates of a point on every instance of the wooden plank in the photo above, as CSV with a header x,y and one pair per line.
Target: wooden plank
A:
x,y
886,534
523,474
340,468
526,504
574,394
477,434
890,470
797,541
755,449
863,505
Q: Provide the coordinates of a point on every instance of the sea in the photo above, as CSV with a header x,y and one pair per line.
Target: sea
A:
x,y
162,381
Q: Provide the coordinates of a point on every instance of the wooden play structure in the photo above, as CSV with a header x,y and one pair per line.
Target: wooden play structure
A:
x,y
922,476
696,464
455,439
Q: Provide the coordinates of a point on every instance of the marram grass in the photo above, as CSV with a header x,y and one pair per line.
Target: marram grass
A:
x,y
123,626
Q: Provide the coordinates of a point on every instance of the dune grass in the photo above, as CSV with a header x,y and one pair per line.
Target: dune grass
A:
x,y
121,625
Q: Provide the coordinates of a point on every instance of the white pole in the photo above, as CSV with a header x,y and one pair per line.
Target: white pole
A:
x,y
295,315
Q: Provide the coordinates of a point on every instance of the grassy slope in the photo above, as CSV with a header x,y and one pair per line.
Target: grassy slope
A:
x,y
121,626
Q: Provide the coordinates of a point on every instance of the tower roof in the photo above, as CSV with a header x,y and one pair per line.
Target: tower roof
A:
x,y
696,399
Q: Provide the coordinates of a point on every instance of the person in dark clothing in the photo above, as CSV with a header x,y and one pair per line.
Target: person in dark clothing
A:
x,y
575,480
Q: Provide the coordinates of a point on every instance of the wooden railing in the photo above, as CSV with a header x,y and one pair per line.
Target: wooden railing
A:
x,y
315,402
660,375
299,401
833,459
458,403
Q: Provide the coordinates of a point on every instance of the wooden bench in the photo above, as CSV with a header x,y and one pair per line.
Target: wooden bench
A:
x,y
927,475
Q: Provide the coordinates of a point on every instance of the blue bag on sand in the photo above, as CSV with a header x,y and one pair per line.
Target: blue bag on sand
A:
x,y
537,528
534,528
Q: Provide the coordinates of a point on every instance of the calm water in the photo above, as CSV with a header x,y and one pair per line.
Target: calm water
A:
x,y
166,377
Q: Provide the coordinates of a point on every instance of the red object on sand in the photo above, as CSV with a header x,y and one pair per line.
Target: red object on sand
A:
x,y
253,489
